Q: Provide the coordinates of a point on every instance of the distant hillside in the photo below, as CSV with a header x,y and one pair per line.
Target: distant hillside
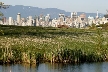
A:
x,y
28,10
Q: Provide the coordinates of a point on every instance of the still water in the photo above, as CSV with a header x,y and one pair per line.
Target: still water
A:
x,y
48,67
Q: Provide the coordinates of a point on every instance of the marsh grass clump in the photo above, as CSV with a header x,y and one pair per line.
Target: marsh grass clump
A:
x,y
37,44
1,32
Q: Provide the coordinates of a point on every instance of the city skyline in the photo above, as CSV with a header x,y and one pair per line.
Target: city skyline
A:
x,y
71,5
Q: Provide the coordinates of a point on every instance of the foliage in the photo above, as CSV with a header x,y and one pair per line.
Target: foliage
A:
x,y
37,44
104,26
1,32
93,26
1,14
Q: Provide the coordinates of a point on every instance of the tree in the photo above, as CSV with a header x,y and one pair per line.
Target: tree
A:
x,y
3,6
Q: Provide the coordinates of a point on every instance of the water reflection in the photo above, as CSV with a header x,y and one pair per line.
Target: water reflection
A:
x,y
55,67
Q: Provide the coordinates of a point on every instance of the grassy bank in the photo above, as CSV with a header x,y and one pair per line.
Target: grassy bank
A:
x,y
36,44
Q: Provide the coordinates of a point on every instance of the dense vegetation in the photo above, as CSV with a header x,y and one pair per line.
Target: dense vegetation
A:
x,y
38,44
104,26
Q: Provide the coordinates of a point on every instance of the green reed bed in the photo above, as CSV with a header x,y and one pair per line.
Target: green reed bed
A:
x,y
37,44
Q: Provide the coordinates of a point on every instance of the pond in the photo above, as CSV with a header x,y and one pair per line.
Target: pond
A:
x,y
56,67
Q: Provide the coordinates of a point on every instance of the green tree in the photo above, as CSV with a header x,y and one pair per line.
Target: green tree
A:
x,y
3,6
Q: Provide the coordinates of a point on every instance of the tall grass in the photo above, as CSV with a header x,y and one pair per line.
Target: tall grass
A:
x,y
36,44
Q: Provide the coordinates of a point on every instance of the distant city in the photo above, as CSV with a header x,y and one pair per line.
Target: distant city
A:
x,y
73,20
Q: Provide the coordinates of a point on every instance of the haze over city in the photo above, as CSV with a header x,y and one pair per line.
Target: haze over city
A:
x,y
71,5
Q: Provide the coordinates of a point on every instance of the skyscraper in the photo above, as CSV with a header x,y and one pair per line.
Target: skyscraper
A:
x,y
10,20
97,16
74,15
61,17
47,18
30,21
19,19
4,20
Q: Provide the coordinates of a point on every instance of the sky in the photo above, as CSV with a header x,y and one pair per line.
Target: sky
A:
x,y
90,6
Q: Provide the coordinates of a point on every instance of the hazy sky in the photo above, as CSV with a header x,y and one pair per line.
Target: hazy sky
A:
x,y
67,5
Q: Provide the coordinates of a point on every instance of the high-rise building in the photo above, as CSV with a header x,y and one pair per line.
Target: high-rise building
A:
x,y
34,22
106,15
19,19
10,21
61,17
74,15
30,21
4,20
97,16
37,20
71,14
82,16
47,18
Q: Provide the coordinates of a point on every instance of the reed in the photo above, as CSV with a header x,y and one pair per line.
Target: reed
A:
x,y
37,44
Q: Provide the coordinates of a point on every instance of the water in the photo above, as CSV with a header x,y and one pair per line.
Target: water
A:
x,y
48,67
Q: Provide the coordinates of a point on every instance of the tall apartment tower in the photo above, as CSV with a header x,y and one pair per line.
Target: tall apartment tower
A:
x,y
19,18
61,17
4,20
71,14
10,21
97,16
37,21
30,21
74,15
